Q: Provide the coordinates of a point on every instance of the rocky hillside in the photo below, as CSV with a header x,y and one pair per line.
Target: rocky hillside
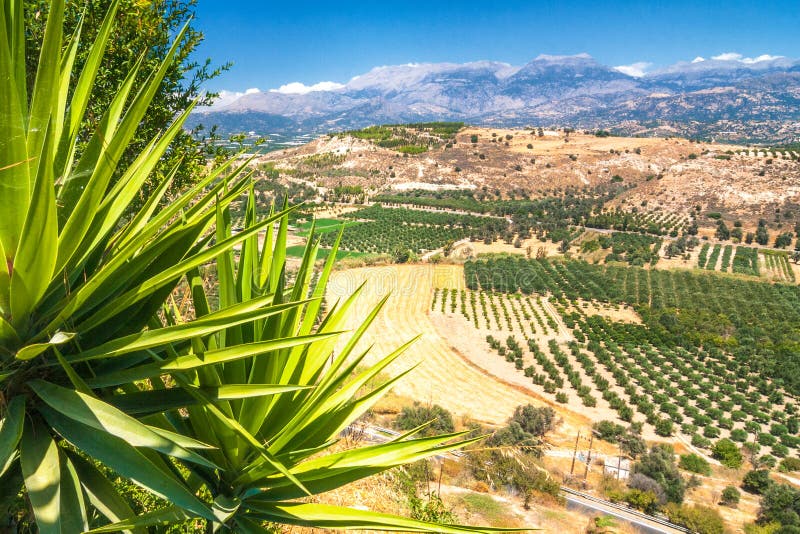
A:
x,y
673,175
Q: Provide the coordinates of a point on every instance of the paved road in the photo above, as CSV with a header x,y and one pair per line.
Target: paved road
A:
x,y
576,500
586,503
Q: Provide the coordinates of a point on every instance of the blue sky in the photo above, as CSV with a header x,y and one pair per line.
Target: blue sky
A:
x,y
275,43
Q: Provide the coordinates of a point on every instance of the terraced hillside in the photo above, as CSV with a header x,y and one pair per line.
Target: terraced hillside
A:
x,y
672,176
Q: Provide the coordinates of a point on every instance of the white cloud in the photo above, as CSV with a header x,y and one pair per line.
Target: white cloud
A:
x,y
698,59
728,56
735,56
228,97
762,57
298,88
637,70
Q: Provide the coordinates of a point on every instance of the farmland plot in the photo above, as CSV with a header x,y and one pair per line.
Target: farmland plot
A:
x,y
690,367
775,265
386,230
521,340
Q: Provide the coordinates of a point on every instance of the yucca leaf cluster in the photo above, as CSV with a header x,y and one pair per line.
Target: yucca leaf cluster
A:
x,y
113,353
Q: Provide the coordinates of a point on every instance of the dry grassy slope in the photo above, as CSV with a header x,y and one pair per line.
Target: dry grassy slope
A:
x,y
733,186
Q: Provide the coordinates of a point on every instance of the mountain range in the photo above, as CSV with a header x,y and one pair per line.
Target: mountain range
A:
x,y
726,99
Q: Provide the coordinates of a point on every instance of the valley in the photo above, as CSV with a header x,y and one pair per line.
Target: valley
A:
x,y
561,269
278,268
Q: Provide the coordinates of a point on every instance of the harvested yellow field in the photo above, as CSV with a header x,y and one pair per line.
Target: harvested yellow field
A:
x,y
442,377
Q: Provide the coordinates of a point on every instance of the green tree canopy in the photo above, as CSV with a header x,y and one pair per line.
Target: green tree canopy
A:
x,y
728,453
144,31
659,465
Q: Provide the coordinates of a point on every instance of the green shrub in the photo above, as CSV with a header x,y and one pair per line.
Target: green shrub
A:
x,y
779,450
645,501
756,481
789,465
608,430
727,453
777,429
664,427
738,434
730,496
767,460
695,464
441,421
766,439
525,429
699,519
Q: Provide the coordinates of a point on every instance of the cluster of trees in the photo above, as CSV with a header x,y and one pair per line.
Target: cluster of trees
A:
x,y
407,231
629,438
635,249
745,261
681,246
410,138
527,427
780,503
507,458
654,223
352,194
760,236
656,485
655,481
507,311
551,216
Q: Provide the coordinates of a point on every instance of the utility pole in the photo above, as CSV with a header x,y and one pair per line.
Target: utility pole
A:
x,y
575,453
589,459
441,470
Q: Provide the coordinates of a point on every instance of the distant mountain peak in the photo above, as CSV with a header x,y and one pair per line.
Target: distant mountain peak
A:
x,y
728,61
760,98
562,58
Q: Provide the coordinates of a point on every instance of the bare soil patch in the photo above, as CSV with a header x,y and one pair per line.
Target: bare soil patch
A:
x,y
622,313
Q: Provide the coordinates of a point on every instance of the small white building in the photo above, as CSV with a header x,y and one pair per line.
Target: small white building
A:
x,y
618,467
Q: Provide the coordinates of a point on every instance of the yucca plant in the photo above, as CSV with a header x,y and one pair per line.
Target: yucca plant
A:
x,y
229,412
